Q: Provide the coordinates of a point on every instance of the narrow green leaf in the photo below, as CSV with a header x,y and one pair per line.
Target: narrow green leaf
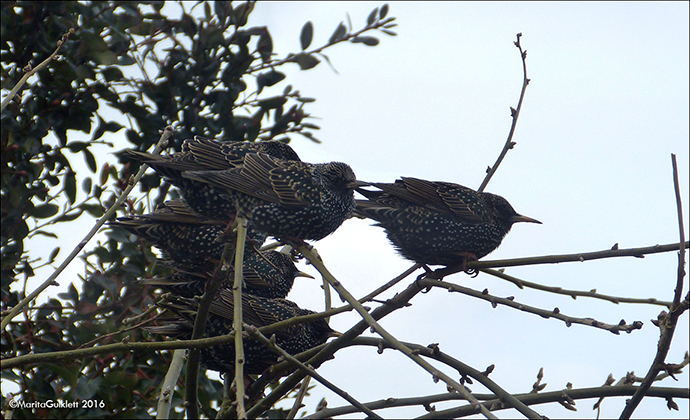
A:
x,y
44,233
71,186
366,40
90,160
306,36
95,210
272,103
70,216
306,61
384,11
339,33
86,185
265,46
372,17
269,78
45,211
207,11
105,171
54,254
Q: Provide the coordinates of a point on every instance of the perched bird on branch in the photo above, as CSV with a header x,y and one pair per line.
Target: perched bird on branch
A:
x,y
439,223
290,200
188,241
201,154
269,274
256,311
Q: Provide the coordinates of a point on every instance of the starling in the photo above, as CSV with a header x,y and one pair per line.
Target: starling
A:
x,y
287,199
201,154
256,311
269,274
188,241
439,223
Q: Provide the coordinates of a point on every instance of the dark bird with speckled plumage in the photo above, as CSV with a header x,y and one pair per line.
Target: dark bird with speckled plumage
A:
x,y
287,199
201,154
439,223
187,240
256,311
269,274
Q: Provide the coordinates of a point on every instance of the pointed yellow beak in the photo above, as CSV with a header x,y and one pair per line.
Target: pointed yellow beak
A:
x,y
521,218
303,274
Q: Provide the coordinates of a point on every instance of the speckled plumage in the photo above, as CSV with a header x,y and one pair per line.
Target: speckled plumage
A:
x,y
270,274
187,240
287,199
256,311
200,154
439,223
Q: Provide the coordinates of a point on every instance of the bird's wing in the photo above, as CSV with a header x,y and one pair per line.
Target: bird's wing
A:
x,y
262,176
213,155
443,197
255,311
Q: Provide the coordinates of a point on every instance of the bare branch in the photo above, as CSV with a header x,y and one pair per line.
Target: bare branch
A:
x,y
555,313
303,388
555,259
30,72
572,293
237,315
515,113
168,386
666,321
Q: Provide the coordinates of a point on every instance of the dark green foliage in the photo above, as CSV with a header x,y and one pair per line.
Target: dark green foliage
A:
x,y
125,73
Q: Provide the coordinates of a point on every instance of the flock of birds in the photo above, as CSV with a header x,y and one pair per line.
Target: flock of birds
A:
x,y
434,223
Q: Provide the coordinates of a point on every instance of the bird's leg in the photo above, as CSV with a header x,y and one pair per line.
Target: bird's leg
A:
x,y
467,257
428,273
296,243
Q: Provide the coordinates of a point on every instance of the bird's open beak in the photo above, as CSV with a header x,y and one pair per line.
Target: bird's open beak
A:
x,y
521,218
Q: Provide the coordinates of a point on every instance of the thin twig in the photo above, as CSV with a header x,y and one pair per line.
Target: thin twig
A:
x,y
555,259
515,113
557,396
303,388
572,293
54,356
168,386
33,71
237,316
162,143
555,313
492,403
133,327
666,321
254,332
